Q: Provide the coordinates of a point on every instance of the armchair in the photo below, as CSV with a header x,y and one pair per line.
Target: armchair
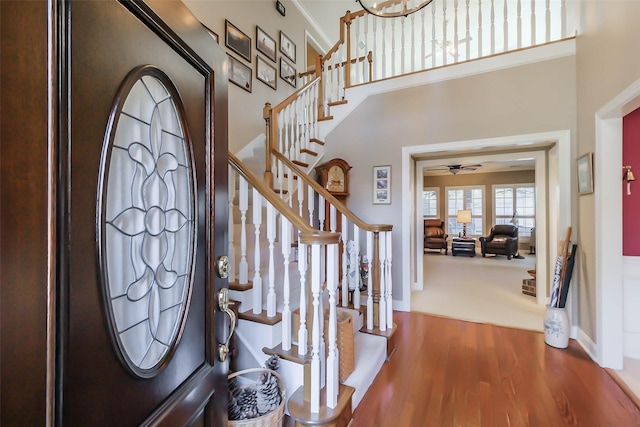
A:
x,y
434,235
503,240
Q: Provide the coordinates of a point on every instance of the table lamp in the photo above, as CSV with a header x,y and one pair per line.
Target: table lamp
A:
x,y
464,217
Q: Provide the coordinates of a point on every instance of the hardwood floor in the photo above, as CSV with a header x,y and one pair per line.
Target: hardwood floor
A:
x,y
453,373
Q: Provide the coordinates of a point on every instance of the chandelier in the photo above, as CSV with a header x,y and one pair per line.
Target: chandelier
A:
x,y
393,8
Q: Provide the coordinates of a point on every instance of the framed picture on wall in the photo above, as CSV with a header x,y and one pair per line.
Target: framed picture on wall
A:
x,y
287,47
585,173
265,44
287,72
239,74
237,41
213,35
265,72
381,185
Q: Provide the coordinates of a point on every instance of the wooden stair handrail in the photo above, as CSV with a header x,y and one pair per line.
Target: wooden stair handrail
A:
x,y
330,198
308,234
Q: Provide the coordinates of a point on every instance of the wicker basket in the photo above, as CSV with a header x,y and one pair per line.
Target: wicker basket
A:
x,y
344,338
273,418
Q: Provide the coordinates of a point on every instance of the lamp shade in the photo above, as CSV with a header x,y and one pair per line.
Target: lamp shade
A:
x,y
392,8
464,216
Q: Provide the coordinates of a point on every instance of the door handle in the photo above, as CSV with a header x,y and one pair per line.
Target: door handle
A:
x,y
224,304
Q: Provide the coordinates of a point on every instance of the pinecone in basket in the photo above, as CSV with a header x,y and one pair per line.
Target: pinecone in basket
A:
x,y
268,394
242,401
272,362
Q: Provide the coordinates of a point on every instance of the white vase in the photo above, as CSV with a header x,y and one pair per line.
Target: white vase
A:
x,y
556,327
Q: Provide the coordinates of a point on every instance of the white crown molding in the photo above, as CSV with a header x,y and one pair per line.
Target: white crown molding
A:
x,y
323,36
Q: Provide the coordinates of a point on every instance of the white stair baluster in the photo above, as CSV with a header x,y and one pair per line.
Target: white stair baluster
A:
x,y
302,268
480,54
356,293
333,356
533,22
311,204
316,380
232,248
547,22
344,237
285,241
257,279
505,47
243,271
321,212
493,28
468,33
519,24
456,45
271,237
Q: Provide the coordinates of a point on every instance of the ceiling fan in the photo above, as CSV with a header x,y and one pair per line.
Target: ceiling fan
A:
x,y
454,169
449,47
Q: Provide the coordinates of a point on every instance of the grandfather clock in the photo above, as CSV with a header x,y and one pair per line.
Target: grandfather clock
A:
x,y
334,177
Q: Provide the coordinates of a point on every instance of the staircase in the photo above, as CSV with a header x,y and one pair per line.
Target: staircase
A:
x,y
297,263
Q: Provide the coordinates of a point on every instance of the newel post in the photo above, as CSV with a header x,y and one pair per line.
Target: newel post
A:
x,y
266,114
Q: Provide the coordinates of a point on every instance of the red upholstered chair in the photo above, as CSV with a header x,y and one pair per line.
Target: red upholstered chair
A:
x,y
434,235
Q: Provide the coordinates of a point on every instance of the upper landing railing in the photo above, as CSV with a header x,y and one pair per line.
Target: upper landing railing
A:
x,y
443,33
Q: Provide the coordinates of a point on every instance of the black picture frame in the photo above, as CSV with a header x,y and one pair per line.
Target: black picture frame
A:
x,y
280,8
287,47
212,33
237,41
266,72
265,44
287,72
240,74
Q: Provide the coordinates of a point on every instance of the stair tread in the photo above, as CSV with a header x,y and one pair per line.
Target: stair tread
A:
x,y
290,355
325,118
317,141
307,151
236,286
261,318
342,102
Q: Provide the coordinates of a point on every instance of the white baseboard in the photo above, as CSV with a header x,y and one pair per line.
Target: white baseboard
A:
x,y
586,343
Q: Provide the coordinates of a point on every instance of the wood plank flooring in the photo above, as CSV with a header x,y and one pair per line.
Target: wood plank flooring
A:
x,y
448,372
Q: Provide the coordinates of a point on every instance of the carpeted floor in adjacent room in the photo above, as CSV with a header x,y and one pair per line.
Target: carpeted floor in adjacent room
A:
x,y
484,290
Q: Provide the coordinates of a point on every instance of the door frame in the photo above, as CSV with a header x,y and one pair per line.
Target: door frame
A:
x,y
560,206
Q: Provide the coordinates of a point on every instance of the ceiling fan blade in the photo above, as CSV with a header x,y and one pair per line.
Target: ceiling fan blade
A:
x,y
476,166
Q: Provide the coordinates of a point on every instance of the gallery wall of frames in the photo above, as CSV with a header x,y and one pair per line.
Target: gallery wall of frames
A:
x,y
271,53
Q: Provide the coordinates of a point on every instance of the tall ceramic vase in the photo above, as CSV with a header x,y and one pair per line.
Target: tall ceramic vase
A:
x,y
556,327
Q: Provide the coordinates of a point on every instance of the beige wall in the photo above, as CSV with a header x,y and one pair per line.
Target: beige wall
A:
x,y
535,98
486,179
245,109
607,63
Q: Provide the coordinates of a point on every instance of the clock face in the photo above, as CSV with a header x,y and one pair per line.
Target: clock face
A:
x,y
335,180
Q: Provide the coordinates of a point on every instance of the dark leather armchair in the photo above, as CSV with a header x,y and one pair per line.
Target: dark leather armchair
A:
x,y
434,235
503,240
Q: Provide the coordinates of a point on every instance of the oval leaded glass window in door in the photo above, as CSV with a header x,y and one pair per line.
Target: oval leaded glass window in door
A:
x,y
146,220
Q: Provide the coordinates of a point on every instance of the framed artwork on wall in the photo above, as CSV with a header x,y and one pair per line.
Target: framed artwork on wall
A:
x,y
212,33
585,173
237,41
287,72
381,185
265,72
265,44
287,47
239,74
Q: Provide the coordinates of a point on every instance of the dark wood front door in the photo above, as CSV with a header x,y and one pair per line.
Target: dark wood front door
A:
x,y
143,122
